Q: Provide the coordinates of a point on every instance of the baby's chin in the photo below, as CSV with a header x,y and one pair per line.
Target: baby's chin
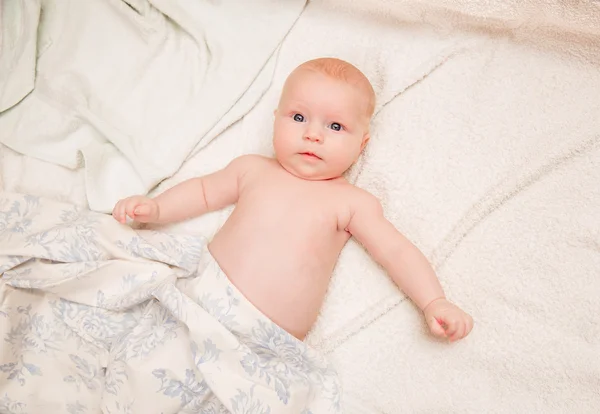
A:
x,y
310,174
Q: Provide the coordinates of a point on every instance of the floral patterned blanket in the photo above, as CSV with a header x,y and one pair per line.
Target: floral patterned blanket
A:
x,y
98,317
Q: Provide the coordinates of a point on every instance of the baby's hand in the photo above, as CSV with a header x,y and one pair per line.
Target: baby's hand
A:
x,y
447,320
139,208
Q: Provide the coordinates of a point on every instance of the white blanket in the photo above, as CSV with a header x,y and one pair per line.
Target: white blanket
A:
x,y
485,153
130,91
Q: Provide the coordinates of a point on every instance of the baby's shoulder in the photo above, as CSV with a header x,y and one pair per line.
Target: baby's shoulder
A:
x,y
359,199
250,164
252,161
354,202
356,194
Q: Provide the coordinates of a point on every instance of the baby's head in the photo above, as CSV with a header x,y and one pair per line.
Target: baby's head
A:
x,y
322,120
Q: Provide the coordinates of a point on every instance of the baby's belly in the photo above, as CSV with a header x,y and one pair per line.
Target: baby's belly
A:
x,y
286,284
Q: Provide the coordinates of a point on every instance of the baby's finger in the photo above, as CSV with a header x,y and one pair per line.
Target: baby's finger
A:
x,y
142,210
469,325
114,211
460,332
120,211
435,327
130,208
451,327
123,213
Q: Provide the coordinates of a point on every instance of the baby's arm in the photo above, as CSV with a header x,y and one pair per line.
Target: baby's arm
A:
x,y
190,198
407,266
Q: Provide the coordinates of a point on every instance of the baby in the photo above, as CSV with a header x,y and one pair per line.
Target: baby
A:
x,y
295,212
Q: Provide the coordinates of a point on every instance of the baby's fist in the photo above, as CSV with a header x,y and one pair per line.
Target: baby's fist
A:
x,y
447,320
139,208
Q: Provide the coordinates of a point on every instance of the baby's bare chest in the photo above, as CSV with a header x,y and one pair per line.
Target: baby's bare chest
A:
x,y
309,207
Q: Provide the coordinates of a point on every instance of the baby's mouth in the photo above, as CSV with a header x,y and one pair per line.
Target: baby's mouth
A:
x,y
310,154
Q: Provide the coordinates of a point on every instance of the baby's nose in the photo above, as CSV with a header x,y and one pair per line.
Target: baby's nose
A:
x,y
313,135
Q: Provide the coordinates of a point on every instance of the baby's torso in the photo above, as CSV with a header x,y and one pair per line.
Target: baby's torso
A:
x,y
281,243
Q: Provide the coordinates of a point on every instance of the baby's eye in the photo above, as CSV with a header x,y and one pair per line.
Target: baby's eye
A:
x,y
336,127
299,118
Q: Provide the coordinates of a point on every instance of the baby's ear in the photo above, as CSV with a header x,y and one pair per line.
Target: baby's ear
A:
x,y
275,112
365,140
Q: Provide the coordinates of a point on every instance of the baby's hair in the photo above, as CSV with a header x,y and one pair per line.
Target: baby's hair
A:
x,y
346,72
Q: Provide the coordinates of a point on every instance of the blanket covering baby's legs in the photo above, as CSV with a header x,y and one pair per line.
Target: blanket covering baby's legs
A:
x,y
238,358
128,322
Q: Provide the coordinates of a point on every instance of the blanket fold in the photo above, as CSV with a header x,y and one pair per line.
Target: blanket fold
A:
x,y
18,50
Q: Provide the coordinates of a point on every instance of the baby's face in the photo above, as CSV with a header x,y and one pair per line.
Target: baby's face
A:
x,y
321,125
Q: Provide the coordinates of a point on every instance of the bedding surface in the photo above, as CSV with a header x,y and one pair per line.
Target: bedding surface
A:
x,y
485,152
